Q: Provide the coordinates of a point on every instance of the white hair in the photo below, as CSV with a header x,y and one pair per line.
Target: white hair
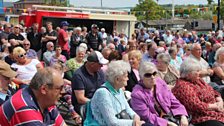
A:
x,y
83,45
145,67
188,66
116,69
78,28
164,57
50,43
80,49
218,52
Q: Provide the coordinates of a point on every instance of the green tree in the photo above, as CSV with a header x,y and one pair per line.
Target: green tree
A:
x,y
148,10
222,9
210,2
63,3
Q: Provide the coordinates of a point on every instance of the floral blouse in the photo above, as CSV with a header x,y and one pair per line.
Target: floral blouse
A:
x,y
196,96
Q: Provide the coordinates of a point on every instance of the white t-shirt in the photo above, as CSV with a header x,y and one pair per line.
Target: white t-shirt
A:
x,y
26,72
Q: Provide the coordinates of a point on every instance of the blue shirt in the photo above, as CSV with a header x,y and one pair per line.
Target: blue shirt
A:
x,y
111,103
82,80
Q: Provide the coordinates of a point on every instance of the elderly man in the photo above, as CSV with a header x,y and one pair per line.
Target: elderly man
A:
x,y
87,79
151,55
30,53
6,73
49,53
35,105
205,71
196,53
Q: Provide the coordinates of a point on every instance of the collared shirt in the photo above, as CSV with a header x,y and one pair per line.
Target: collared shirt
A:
x,y
22,109
204,65
148,58
82,80
47,57
4,97
31,54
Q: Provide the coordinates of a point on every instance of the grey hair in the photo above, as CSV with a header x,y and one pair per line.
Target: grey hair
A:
x,y
164,57
193,46
116,69
188,66
218,52
80,49
50,43
43,76
145,67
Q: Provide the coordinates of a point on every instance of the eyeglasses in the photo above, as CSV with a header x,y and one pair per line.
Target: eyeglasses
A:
x,y
51,46
16,27
57,88
149,75
21,55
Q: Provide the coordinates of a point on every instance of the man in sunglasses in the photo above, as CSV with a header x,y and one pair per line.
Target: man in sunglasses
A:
x,y
16,36
35,105
6,73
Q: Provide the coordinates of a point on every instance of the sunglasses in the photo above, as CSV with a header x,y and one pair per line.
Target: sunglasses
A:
x,y
21,55
149,75
16,27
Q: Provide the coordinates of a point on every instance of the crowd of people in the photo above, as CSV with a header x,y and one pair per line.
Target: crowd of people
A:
x,y
150,79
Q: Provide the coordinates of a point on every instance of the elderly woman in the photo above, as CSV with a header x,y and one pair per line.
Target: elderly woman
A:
x,y
57,56
151,99
166,71
201,101
26,68
218,67
74,63
134,58
112,99
176,61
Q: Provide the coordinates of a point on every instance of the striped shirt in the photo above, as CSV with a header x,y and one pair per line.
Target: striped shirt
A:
x,y
22,109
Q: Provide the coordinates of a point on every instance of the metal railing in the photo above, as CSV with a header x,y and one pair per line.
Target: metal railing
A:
x,y
82,10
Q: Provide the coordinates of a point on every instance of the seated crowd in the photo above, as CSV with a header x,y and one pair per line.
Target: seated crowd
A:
x,y
150,79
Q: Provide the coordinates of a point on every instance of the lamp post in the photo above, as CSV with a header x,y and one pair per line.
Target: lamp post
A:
x,y
218,15
101,3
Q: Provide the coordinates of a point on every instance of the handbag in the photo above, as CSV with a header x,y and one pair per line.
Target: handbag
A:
x,y
123,114
168,116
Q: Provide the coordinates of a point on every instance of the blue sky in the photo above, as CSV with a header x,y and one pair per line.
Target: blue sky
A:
x,y
129,3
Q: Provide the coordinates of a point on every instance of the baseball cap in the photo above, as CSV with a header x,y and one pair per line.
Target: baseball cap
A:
x,y
96,56
115,39
64,23
5,70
